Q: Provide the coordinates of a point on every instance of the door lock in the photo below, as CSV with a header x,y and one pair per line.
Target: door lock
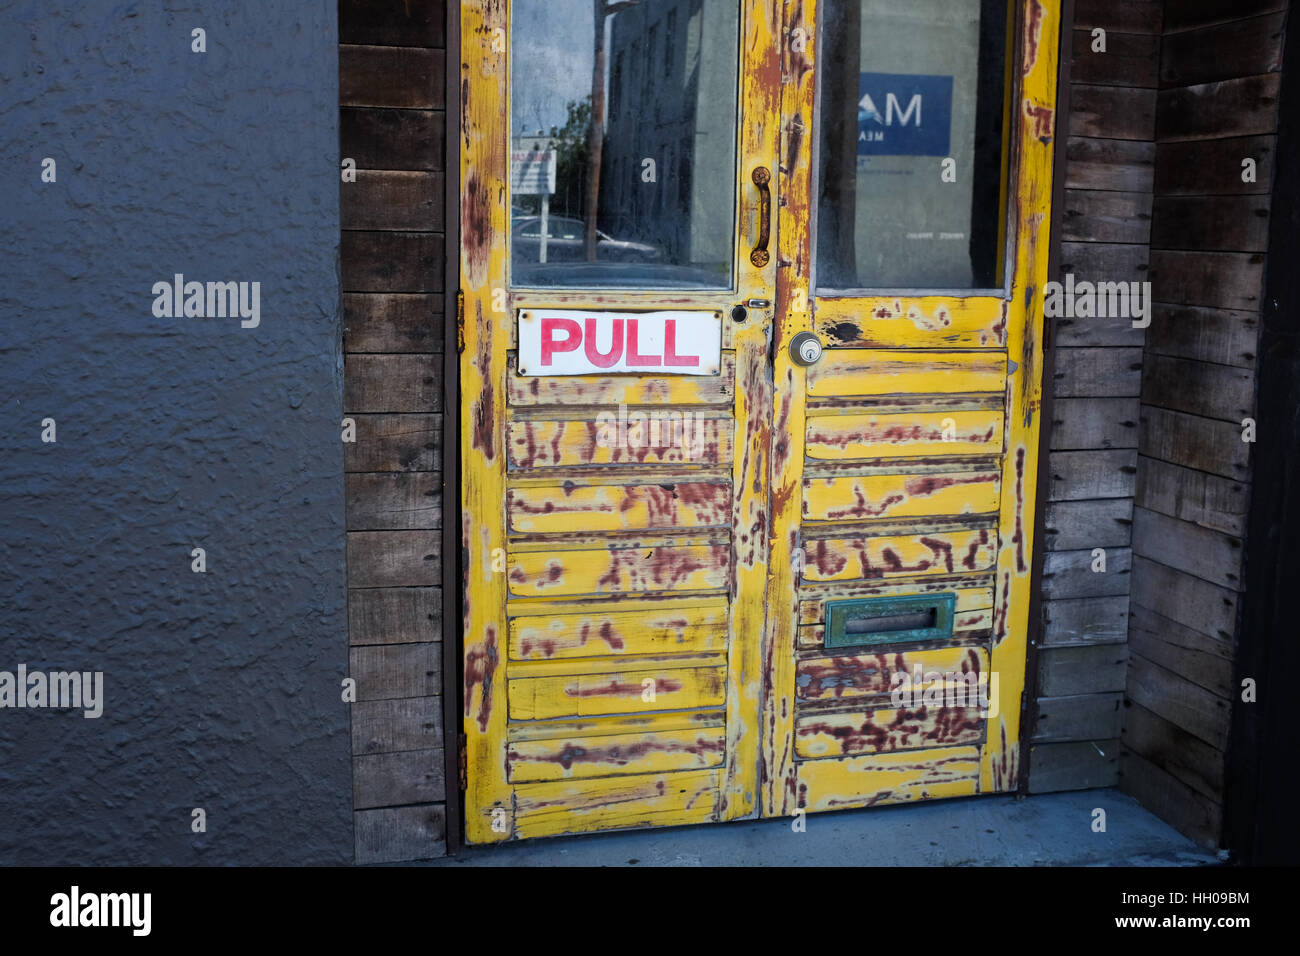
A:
x,y
805,349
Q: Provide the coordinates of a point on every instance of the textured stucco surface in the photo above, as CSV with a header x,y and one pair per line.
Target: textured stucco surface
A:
x,y
222,690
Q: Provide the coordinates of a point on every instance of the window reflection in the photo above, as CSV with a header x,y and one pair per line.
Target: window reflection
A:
x,y
632,182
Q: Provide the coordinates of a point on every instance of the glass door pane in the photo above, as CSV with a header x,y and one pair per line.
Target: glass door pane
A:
x,y
910,192
623,144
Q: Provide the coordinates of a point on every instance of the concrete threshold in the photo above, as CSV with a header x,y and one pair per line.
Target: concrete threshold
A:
x,y
1054,829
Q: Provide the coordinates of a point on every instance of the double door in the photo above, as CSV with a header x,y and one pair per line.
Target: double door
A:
x,y
750,372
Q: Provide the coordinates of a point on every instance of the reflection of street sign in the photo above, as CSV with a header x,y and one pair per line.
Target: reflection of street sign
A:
x,y
532,172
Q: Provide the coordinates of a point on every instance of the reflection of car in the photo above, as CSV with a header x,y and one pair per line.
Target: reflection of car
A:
x,y
617,275
566,242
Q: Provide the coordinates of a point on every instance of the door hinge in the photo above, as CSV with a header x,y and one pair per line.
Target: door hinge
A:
x,y
464,761
460,320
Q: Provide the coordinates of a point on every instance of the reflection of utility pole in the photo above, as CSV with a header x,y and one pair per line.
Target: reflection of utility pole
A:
x,y
596,137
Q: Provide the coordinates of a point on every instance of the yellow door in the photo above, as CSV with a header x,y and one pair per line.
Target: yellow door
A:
x,y
615,525
677,530
903,488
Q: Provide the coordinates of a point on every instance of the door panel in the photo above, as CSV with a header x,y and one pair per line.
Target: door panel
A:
x,y
693,598
615,525
912,453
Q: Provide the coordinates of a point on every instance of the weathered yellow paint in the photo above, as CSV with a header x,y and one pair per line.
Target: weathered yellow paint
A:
x,y
1035,128
567,758
924,321
848,372
556,508
561,636
945,357
590,557
902,777
693,568
578,806
906,435
617,724
582,580
484,152
885,730
866,497
865,674
613,390
582,695
542,444
885,556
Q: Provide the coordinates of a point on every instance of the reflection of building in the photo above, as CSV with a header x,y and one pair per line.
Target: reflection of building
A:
x,y
672,98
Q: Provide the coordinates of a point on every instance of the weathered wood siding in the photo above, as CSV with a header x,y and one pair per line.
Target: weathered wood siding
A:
x,y
1105,229
392,123
1217,106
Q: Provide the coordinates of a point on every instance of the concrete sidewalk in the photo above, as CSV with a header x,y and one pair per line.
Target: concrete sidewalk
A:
x,y
1048,830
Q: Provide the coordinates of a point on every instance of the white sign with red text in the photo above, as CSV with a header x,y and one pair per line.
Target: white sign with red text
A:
x,y
572,342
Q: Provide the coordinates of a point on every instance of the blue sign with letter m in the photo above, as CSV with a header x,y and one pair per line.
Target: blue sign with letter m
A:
x,y
904,115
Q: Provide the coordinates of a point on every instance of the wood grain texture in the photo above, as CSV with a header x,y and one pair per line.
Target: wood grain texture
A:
x,y
379,322
1181,597
393,138
394,501
1094,423
392,383
388,671
1095,620
373,261
404,77
1170,799
400,834
394,615
1208,501
1070,671
1213,167
1069,574
1195,442
1083,765
1076,475
1244,106
394,443
1079,717
1130,59
1076,525
1199,388
383,559
409,776
1120,165
396,22
1112,112
395,725
393,199
1221,336
1097,216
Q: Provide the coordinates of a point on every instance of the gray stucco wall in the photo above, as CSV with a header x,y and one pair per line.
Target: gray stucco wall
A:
x,y
222,689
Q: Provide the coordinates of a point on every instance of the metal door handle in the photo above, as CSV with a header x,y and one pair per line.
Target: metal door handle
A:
x,y
761,177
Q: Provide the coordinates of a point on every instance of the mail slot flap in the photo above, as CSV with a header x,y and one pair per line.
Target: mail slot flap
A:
x,y
890,620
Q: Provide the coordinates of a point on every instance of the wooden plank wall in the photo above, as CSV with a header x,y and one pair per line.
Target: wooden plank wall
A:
x,y
1077,689
1217,105
392,123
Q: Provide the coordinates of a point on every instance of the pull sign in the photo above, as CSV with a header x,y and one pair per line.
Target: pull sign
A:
x,y
565,342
